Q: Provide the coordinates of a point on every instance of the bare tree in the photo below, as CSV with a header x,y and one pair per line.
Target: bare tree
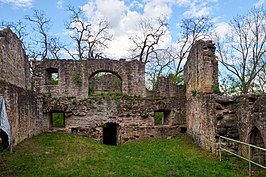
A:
x,y
54,47
147,41
41,24
19,28
259,83
90,40
192,29
159,64
242,52
169,60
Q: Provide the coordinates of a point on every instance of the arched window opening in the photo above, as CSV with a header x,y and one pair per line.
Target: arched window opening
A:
x,y
257,155
104,82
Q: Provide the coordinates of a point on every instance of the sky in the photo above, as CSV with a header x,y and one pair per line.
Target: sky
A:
x,y
125,15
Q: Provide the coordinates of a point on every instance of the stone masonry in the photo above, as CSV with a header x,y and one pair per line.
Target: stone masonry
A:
x,y
62,86
23,106
130,72
209,115
15,67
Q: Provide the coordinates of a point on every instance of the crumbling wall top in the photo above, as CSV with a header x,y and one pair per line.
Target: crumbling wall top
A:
x,y
201,69
14,65
131,73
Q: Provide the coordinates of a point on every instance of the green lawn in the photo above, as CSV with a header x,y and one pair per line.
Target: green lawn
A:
x,y
69,155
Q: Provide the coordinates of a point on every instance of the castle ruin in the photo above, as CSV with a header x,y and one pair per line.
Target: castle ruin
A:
x,y
195,108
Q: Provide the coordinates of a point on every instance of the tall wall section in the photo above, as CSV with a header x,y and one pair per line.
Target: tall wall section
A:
x,y
14,66
24,108
209,115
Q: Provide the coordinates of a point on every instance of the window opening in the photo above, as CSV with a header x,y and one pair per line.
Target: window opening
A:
x,y
58,119
104,82
52,76
161,117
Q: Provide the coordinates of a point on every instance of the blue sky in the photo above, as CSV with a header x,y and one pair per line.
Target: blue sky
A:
x,y
124,15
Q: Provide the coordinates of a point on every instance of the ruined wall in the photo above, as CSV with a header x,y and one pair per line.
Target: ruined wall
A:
x,y
201,68
24,108
135,116
14,66
105,83
73,76
200,77
209,115
166,88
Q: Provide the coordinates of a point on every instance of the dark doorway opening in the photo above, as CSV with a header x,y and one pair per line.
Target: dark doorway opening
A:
x,y
3,140
110,134
257,155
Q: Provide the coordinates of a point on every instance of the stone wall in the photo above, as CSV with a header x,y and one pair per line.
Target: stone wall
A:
x,y
14,66
24,107
24,110
209,115
73,76
166,88
201,69
134,115
200,78
233,117
107,83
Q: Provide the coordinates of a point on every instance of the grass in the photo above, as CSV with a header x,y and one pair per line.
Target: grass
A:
x,y
69,155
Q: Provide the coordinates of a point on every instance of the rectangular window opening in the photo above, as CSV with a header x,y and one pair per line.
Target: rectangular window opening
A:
x,y
52,76
161,117
58,119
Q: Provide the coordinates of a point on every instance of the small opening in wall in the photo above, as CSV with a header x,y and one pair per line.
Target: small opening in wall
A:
x,y
110,132
183,129
52,76
3,140
58,119
74,130
161,117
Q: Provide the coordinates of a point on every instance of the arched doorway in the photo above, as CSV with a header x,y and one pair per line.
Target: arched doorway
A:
x,y
110,133
256,139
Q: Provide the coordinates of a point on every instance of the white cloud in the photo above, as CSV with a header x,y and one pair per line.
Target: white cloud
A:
x,y
124,17
18,3
60,4
222,29
259,4
112,10
199,8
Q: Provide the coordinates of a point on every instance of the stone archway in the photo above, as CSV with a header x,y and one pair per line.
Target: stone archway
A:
x,y
104,82
255,138
110,134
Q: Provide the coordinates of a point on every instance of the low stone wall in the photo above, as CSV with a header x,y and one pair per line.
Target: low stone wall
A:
x,y
133,115
132,133
24,110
